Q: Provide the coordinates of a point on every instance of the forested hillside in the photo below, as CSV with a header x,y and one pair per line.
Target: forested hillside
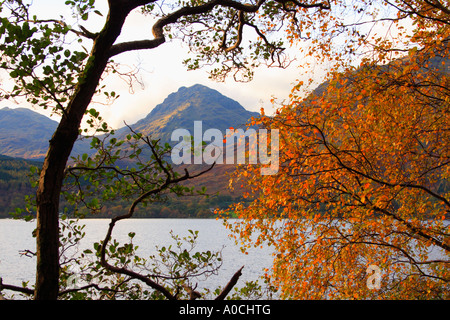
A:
x,y
15,186
14,183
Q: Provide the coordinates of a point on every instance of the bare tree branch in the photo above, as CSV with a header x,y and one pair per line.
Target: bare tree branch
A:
x,y
158,27
230,285
15,288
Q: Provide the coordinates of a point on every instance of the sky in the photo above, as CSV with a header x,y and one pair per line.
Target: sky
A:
x,y
162,72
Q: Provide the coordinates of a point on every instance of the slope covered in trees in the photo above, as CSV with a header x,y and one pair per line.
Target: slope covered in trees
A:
x,y
15,186
14,183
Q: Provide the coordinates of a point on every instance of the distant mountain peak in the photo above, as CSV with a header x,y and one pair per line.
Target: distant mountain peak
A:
x,y
176,99
195,103
196,86
26,133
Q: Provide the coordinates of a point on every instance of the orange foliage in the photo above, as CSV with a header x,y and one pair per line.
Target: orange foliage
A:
x,y
364,176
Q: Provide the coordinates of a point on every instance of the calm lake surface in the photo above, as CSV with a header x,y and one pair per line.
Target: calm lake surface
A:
x,y
16,235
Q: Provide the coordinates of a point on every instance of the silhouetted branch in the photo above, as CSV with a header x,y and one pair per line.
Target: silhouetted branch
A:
x,y
230,285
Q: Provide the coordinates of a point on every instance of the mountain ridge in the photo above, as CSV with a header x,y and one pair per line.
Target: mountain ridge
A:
x,y
25,133
180,109
16,124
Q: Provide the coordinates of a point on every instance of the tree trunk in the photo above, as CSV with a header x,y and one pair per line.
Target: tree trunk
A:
x,y
61,144
47,236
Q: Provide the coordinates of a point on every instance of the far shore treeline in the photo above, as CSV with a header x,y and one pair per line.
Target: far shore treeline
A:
x,y
15,186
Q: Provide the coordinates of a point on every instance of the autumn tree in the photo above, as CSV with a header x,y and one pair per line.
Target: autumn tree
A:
x,y
358,209
58,64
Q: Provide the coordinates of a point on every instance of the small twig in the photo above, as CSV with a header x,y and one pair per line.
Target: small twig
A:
x,y
27,253
92,285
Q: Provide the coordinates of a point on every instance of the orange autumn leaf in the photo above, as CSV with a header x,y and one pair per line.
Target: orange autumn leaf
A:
x,y
363,178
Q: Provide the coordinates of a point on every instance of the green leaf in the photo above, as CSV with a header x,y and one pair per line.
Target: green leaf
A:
x,y
94,202
93,112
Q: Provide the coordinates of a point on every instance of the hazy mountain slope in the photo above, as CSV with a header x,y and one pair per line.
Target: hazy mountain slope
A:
x,y
197,103
24,133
